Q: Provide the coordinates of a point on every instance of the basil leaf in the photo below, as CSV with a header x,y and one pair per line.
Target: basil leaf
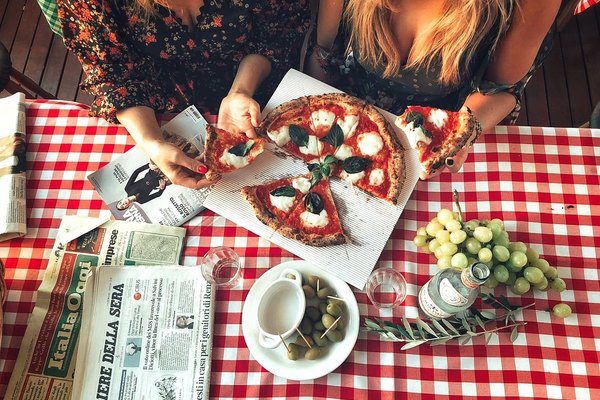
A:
x,y
354,164
426,132
329,159
317,175
415,117
335,137
313,203
298,136
325,169
242,149
284,191
312,166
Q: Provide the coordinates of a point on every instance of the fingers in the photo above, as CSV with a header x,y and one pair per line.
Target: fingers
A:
x,y
189,163
456,162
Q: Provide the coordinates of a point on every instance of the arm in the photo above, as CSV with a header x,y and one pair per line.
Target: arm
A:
x,y
328,23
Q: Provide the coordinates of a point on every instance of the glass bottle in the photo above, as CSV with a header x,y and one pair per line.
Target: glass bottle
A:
x,y
450,292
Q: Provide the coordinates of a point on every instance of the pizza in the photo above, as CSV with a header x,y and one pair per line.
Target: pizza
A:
x,y
226,151
343,127
436,134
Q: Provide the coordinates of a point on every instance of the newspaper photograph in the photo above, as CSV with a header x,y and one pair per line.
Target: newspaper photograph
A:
x,y
13,213
149,334
46,362
135,189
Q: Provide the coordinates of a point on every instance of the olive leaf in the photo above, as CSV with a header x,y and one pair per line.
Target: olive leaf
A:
x,y
415,117
354,164
313,203
424,325
298,135
242,149
284,191
335,137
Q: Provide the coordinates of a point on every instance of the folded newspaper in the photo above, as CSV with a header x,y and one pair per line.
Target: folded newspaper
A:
x,y
46,362
150,334
135,189
12,167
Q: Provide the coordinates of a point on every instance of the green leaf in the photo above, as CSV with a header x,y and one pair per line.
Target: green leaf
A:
x,y
371,324
421,332
329,159
450,326
313,202
313,166
325,169
514,334
479,322
439,327
298,135
410,345
488,337
354,164
316,176
423,325
415,117
389,335
242,149
335,137
408,328
284,191
465,340
488,315
437,342
465,324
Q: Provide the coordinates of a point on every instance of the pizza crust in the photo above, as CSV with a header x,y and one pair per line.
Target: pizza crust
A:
x,y
263,214
288,110
312,239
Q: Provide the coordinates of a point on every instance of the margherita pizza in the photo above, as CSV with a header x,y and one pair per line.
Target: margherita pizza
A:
x,y
437,134
226,151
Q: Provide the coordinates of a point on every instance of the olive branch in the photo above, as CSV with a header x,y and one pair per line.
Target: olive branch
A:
x,y
463,328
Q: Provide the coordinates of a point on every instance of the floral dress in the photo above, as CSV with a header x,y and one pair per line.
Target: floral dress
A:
x,y
165,65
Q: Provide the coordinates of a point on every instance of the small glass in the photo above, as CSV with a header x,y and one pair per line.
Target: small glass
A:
x,y
221,266
386,288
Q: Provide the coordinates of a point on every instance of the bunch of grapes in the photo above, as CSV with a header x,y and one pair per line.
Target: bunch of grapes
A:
x,y
457,244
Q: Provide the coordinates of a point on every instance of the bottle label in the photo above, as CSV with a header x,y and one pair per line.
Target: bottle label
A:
x,y
467,279
428,306
450,295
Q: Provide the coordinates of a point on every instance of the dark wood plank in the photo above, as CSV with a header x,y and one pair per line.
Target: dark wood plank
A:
x,y
24,37
39,51
556,87
3,5
10,22
536,100
590,44
54,65
70,78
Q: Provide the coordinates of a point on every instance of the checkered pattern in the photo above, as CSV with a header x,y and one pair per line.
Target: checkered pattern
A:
x,y
542,181
585,4
50,10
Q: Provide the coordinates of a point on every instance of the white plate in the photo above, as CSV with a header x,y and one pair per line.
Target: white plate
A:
x,y
275,360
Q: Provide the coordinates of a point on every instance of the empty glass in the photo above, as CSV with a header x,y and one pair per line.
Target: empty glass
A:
x,y
386,288
221,266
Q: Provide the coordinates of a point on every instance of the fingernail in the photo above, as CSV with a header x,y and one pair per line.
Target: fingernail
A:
x,y
449,162
202,169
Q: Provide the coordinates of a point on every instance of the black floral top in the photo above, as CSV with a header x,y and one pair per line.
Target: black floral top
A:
x,y
166,65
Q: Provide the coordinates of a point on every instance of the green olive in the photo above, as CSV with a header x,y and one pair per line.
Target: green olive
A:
x,y
313,353
328,320
318,326
324,292
312,313
292,353
334,310
321,342
309,292
306,326
340,324
300,342
312,281
336,301
323,307
335,335
291,276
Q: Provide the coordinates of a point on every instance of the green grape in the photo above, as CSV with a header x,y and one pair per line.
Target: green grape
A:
x,y
533,275
498,221
420,240
512,277
421,231
459,236
433,227
551,273
541,264
562,310
442,236
490,264
426,250
532,255
453,225
473,245
495,228
483,234
459,261
512,267
444,262
491,282
471,225
502,240
518,259
501,273
471,260
444,216
558,285
485,255
438,253
521,286
449,249
517,246
433,244
501,253
543,284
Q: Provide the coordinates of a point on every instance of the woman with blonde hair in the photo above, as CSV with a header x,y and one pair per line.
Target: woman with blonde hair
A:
x,y
146,56
472,54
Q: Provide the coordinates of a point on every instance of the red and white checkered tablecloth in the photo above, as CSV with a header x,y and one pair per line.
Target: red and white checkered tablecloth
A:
x,y
542,181
584,5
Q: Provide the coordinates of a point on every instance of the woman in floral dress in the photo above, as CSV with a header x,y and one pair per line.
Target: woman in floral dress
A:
x,y
147,56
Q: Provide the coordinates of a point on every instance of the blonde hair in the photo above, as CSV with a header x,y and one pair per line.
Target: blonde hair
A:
x,y
453,38
147,8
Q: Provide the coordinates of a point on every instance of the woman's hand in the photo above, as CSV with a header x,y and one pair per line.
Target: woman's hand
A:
x,y
314,67
239,112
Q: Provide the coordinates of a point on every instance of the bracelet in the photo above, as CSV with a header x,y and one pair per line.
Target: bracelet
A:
x,y
323,56
477,125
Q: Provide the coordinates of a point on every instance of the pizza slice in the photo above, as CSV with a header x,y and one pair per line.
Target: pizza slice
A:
x,y
273,201
315,220
436,134
226,151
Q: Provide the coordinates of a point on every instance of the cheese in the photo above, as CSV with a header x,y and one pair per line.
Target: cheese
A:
x,y
280,136
343,152
231,159
313,147
376,177
352,178
302,184
322,118
314,220
348,125
284,203
370,143
438,117
416,135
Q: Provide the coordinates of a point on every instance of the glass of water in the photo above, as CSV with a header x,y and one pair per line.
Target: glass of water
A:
x,y
386,288
221,266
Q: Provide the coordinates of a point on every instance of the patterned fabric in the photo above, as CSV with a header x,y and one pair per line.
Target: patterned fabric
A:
x,y
50,10
584,5
166,65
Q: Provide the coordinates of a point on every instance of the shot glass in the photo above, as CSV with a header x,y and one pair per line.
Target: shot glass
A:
x,y
221,266
386,288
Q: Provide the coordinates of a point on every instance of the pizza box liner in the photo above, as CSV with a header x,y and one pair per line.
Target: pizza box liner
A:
x,y
367,220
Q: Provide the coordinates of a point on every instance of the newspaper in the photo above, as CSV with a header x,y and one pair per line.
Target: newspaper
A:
x,y
150,334
46,361
134,189
12,167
